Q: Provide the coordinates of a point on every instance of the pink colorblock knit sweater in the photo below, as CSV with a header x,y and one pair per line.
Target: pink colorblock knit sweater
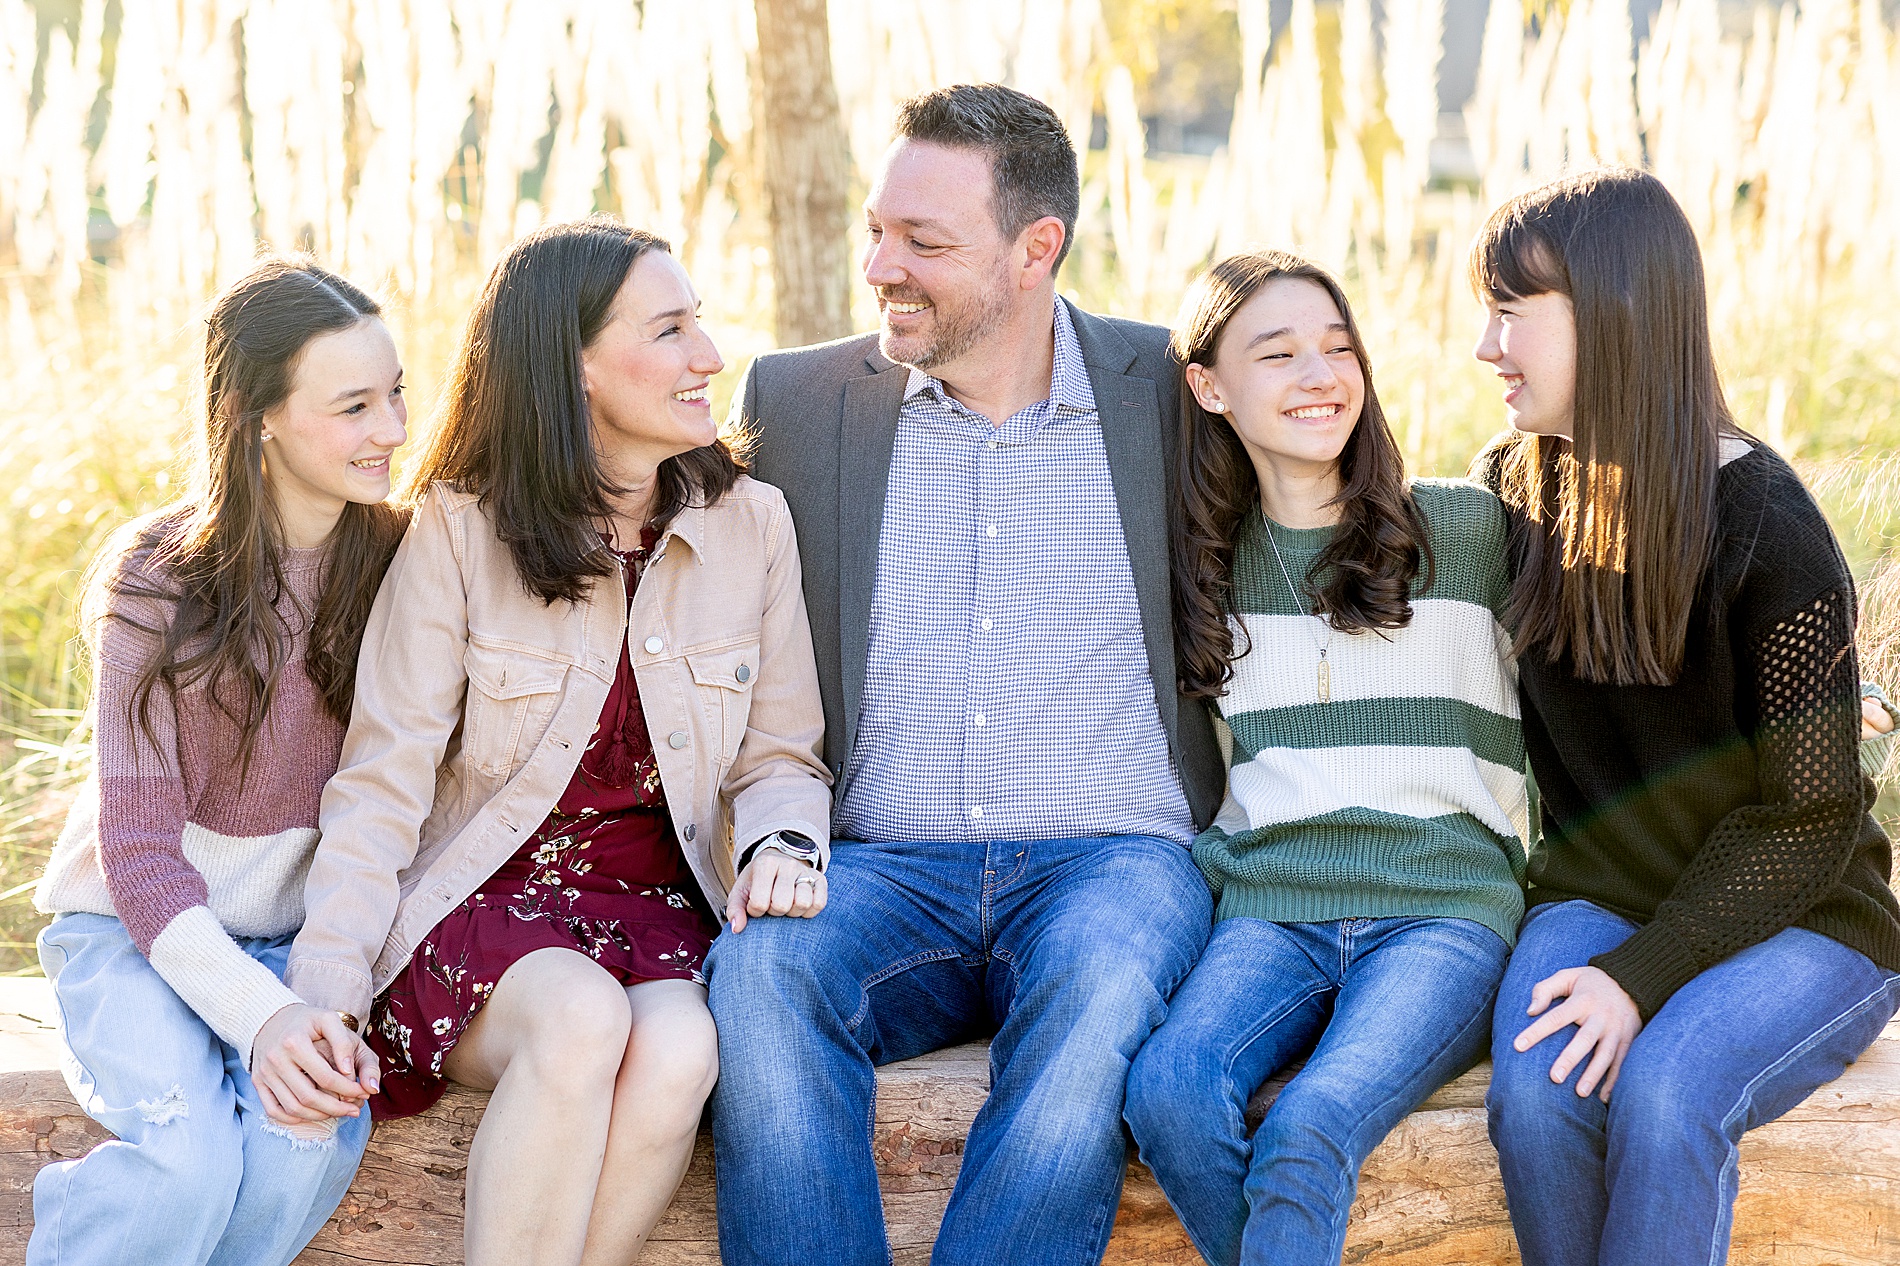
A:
x,y
186,849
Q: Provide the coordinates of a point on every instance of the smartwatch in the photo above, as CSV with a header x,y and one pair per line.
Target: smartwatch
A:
x,y
790,843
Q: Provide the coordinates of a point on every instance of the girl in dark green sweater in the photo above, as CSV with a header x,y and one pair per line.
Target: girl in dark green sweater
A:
x,y
1712,934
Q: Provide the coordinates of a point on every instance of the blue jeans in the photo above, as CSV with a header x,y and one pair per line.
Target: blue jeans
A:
x,y
1397,1008
1651,1177
198,1174
1067,949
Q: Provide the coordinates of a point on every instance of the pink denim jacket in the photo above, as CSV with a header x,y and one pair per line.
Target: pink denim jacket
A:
x,y
474,701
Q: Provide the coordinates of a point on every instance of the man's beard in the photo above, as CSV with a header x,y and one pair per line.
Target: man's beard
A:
x,y
951,333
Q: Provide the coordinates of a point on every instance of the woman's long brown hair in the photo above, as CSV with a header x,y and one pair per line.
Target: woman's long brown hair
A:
x,y
1614,528
213,563
514,428
1365,576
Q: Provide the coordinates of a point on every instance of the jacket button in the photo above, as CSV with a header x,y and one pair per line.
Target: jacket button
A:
x,y
744,674
689,832
654,646
676,740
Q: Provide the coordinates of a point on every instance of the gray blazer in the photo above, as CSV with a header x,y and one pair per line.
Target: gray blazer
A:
x,y
825,419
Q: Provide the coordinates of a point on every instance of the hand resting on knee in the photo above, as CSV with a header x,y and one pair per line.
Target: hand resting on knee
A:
x,y
773,883
1607,1022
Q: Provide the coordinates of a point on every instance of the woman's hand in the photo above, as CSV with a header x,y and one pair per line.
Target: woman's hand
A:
x,y
308,1066
1875,720
1606,1019
773,883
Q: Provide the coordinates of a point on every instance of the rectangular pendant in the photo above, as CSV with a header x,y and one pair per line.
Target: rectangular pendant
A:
x,y
1325,682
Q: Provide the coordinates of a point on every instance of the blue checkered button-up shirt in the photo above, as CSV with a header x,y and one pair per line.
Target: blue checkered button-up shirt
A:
x,y
1007,694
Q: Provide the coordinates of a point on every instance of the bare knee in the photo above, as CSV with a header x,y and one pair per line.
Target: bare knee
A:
x,y
563,1023
671,1061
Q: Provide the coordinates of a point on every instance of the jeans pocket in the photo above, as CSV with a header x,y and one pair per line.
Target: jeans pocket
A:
x,y
52,955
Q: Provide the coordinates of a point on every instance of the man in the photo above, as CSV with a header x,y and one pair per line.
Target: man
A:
x,y
980,495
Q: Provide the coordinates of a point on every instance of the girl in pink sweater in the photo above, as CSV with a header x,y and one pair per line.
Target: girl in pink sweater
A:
x,y
224,632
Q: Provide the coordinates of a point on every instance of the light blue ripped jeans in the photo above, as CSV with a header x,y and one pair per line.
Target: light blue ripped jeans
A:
x,y
198,1174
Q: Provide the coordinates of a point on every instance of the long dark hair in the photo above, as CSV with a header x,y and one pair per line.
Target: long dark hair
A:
x,y
1364,577
514,428
1616,526
212,564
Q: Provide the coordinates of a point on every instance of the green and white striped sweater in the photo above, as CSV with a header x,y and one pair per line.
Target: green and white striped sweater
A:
x,y
1405,794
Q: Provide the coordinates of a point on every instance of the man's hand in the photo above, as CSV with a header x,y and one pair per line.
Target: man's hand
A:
x,y
1875,720
1606,1019
773,883
308,1066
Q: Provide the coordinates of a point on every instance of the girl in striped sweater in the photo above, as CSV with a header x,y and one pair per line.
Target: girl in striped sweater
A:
x,y
1367,863
224,633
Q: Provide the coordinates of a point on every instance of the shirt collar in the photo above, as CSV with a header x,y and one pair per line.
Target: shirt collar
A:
x,y
1068,383
688,525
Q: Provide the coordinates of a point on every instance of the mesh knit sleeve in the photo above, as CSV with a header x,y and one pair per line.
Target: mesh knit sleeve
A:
x,y
1765,865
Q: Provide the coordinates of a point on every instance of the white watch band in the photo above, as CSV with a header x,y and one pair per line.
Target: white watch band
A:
x,y
777,842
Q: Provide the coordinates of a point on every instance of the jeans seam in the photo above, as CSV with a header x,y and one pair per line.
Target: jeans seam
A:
x,y
903,964
1265,1027
986,893
1480,1016
870,1145
1731,1166
993,882
1003,955
1103,1213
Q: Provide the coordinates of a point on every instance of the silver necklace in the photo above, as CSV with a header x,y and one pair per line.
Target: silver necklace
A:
x,y
1325,678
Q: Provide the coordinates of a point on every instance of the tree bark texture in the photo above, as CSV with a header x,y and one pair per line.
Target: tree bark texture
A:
x,y
807,173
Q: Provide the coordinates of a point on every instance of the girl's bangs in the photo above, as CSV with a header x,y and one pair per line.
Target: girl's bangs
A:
x,y
1512,260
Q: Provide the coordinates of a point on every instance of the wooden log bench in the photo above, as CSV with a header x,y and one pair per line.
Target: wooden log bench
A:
x,y
1820,1187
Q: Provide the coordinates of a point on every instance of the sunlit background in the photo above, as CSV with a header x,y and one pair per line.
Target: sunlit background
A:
x,y
147,147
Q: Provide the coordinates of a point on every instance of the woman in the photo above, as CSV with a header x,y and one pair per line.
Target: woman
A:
x,y
224,632
1711,934
1366,863
588,674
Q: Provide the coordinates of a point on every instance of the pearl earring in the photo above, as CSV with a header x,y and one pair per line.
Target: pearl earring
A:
x,y
1218,407
263,435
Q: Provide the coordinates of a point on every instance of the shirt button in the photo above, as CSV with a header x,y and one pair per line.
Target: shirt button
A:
x,y
988,624
992,445
991,531
744,674
676,740
654,646
980,719
976,812
689,832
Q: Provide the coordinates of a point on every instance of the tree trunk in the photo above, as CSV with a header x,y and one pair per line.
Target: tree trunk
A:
x,y
807,167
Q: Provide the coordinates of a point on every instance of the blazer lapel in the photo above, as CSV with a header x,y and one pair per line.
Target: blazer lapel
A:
x,y
871,406
1133,435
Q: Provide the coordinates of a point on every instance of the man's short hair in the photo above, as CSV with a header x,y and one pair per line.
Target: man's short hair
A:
x,y
1032,163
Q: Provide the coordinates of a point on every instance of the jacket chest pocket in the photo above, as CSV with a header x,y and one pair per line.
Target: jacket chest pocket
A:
x,y
511,698
724,680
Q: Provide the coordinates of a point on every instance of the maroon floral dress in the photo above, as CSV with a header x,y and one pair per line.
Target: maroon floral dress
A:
x,y
603,875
